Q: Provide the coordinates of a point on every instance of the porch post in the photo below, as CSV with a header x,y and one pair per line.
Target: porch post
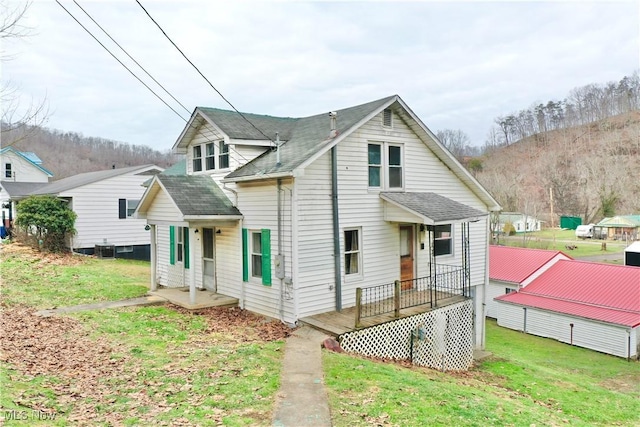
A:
x,y
192,265
154,257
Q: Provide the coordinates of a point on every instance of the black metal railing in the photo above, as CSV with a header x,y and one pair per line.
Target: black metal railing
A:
x,y
445,281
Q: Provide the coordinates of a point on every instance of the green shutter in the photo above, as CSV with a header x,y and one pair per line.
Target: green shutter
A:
x,y
266,256
185,241
245,255
172,245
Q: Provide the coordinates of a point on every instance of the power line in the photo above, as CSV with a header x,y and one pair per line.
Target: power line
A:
x,y
199,72
121,63
130,57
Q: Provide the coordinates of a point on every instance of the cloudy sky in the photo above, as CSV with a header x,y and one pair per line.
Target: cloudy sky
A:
x,y
457,64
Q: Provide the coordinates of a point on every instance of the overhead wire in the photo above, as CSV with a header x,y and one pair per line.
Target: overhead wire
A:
x,y
121,63
131,57
207,139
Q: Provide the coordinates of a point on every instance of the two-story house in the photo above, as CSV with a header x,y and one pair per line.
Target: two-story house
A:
x,y
297,218
22,172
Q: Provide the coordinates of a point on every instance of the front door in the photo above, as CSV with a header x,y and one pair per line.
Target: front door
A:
x,y
406,256
208,270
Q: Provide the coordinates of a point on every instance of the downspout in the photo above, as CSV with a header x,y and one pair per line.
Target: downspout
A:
x,y
336,222
280,256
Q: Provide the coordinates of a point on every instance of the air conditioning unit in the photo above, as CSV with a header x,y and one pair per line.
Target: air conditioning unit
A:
x,y
105,251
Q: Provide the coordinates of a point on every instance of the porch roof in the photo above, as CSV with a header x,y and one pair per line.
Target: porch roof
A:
x,y
427,208
196,197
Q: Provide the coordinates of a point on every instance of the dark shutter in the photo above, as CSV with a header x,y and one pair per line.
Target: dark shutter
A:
x,y
245,255
266,256
185,245
122,208
172,245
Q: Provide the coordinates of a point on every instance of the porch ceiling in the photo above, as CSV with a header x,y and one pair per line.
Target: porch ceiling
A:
x,y
427,208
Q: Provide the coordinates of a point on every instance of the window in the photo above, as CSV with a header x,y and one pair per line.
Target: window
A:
x,y
179,245
387,118
7,171
210,159
223,158
385,170
509,290
131,206
197,158
124,249
256,255
442,237
375,164
395,166
352,259
126,207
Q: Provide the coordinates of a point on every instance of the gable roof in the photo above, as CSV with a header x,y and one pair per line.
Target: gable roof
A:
x,y
29,157
306,139
510,264
514,216
604,292
432,208
195,196
57,187
621,221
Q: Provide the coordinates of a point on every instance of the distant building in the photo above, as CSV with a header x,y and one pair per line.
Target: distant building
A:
x,y
521,223
621,227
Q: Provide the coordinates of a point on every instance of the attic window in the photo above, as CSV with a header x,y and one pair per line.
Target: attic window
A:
x,y
7,171
386,118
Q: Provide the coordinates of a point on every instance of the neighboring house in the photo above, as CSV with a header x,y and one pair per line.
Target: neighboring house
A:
x,y
511,269
22,172
292,216
621,227
521,223
632,254
587,304
104,202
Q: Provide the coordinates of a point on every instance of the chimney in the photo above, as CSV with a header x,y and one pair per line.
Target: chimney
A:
x,y
332,117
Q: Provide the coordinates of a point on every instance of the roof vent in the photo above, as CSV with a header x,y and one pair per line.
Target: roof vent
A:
x,y
332,117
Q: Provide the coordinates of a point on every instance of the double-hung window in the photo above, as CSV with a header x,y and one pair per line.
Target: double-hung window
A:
x,y
126,207
256,255
223,156
443,240
352,252
210,159
7,170
197,158
179,245
385,162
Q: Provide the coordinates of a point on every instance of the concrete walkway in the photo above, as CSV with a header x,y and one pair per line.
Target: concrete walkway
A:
x,y
147,300
302,399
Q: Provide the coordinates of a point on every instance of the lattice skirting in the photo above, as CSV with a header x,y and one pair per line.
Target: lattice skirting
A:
x,y
175,276
440,339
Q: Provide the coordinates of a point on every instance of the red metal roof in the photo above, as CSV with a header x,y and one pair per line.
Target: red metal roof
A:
x,y
605,292
510,264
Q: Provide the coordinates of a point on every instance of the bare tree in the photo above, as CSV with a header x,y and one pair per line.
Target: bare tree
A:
x,y
456,141
14,117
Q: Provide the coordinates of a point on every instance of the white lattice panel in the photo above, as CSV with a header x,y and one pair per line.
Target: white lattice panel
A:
x,y
445,341
175,275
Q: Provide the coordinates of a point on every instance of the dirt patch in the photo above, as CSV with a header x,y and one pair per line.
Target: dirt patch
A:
x,y
40,258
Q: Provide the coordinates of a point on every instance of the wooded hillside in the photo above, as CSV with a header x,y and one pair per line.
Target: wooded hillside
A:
x,y
70,153
592,169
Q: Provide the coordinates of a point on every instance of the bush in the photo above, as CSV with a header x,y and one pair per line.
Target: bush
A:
x,y
46,222
509,229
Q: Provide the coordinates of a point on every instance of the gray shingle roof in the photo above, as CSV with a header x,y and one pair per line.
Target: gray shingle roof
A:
x,y
56,187
20,189
433,206
304,136
197,195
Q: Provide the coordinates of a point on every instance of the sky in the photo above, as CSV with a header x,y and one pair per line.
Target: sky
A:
x,y
458,64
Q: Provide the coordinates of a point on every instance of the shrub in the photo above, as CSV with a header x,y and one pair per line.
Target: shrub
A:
x,y
47,221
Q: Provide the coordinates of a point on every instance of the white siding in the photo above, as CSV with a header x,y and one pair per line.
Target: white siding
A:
x,y
23,170
96,205
604,337
361,207
162,209
495,289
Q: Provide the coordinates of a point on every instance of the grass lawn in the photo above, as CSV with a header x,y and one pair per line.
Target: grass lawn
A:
x,y
528,381
163,366
557,239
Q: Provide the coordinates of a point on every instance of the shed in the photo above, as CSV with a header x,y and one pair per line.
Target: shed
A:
x,y
588,304
632,255
570,222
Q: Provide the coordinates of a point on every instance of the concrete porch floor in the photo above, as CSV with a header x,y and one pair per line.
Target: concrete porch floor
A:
x,y
204,298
